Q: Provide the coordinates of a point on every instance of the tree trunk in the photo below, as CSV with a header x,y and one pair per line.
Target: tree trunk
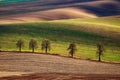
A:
x,y
72,52
99,57
46,50
72,55
33,50
20,49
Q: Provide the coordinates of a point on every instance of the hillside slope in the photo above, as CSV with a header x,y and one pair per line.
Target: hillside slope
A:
x,y
56,9
55,14
85,32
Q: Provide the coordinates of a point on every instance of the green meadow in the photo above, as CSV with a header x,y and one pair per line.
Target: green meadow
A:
x,y
86,33
12,1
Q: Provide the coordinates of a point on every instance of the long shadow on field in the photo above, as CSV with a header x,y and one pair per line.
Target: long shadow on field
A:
x,y
63,76
103,9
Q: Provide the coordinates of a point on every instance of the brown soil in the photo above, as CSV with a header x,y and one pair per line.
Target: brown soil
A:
x,y
52,67
63,76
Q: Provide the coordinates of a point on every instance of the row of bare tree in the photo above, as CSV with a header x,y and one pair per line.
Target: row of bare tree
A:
x,y
46,45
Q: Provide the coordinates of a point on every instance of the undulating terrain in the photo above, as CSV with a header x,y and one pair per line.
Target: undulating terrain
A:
x,y
57,9
85,22
90,22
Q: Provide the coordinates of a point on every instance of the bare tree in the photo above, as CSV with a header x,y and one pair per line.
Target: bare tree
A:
x,y
46,45
100,50
33,44
20,44
72,49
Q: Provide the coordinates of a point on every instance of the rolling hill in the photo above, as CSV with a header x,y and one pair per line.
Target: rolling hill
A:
x,y
57,9
85,32
83,22
97,21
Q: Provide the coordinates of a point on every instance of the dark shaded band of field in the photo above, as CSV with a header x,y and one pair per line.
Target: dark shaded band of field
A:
x,y
63,76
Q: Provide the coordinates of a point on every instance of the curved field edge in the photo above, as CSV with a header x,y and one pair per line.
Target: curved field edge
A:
x,y
61,33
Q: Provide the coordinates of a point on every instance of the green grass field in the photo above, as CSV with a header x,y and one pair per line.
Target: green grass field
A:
x,y
12,1
86,33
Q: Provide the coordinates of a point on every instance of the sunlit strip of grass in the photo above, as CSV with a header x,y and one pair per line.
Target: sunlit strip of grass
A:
x,y
107,21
